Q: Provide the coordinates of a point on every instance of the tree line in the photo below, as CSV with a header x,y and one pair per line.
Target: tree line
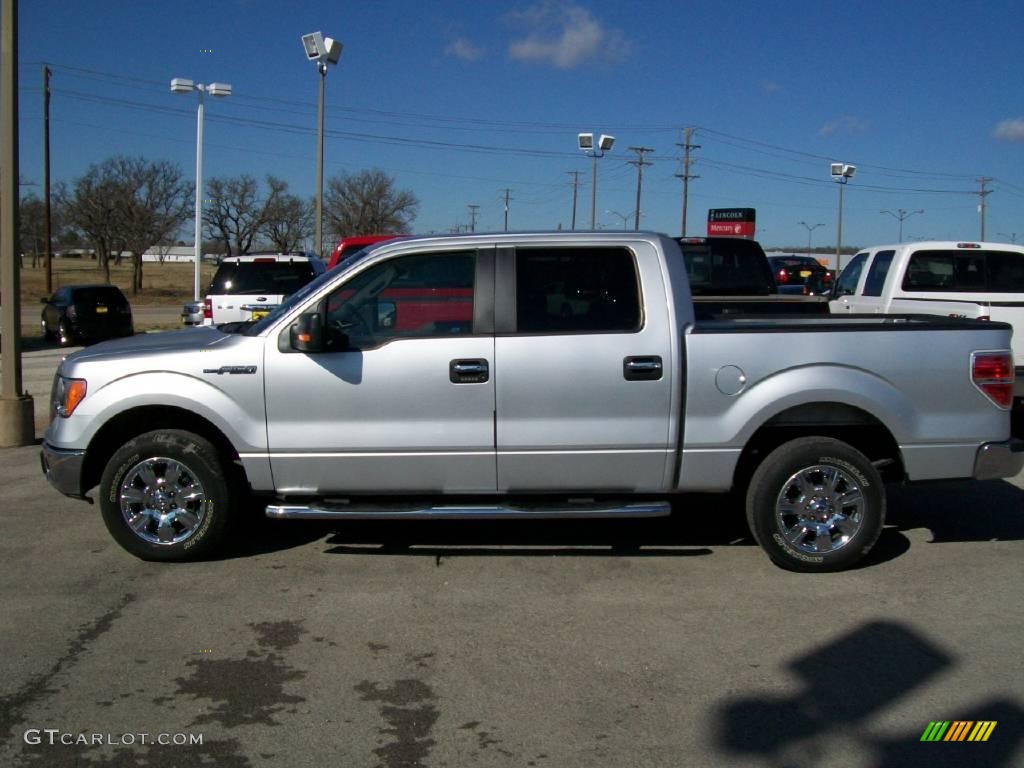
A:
x,y
128,205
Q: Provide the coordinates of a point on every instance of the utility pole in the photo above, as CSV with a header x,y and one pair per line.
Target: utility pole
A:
x,y
507,198
686,175
472,216
575,189
982,194
17,421
639,163
48,234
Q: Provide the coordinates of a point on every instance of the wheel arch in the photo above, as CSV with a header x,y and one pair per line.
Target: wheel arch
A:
x,y
147,418
847,423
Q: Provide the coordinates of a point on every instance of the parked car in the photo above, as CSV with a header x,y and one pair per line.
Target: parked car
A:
x,y
192,313
347,247
85,313
359,398
249,287
801,275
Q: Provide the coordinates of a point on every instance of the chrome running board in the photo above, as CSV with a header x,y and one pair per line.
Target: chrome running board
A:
x,y
358,511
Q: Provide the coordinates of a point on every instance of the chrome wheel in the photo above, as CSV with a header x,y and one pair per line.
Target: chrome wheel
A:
x,y
819,509
162,501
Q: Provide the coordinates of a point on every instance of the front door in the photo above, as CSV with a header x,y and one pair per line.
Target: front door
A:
x,y
407,404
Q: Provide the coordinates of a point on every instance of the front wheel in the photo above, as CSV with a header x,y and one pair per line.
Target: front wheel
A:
x,y
164,496
816,504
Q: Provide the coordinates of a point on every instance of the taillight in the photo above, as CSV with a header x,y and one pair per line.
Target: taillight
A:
x,y
828,277
992,373
207,308
782,277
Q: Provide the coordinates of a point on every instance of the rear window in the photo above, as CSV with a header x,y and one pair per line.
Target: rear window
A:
x,y
974,271
108,296
284,277
727,266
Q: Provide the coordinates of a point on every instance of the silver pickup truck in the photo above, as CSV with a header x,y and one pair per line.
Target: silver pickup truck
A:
x,y
531,376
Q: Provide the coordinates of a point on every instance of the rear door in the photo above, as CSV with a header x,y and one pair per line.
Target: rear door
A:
x,y
869,299
584,369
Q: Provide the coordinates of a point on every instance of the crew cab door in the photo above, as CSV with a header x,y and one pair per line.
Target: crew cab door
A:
x,y
407,404
585,369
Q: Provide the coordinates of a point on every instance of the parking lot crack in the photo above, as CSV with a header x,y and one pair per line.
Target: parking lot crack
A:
x,y
37,687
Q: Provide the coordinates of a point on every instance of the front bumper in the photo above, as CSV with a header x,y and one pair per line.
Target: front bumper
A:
x,y
997,460
63,469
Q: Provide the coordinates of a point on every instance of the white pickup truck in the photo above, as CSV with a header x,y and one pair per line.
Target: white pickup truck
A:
x,y
955,279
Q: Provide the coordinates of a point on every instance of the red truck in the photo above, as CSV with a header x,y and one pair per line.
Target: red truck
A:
x,y
347,246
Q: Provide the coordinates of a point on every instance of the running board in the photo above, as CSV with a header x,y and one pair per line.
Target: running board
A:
x,y
588,509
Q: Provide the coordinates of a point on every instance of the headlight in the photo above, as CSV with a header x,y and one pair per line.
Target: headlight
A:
x,y
66,395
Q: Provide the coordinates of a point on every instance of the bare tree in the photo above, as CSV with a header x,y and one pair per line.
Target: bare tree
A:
x,y
234,214
367,203
288,219
32,227
89,206
153,202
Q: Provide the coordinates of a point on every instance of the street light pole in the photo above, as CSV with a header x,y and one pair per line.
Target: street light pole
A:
x,y
810,229
198,247
323,51
901,215
183,85
586,144
319,242
841,173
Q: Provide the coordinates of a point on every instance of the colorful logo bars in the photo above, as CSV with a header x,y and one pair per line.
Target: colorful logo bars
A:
x,y
959,730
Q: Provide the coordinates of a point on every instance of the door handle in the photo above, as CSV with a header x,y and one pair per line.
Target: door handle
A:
x,y
473,371
644,368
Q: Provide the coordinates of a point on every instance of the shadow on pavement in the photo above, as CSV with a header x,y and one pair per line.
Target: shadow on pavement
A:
x,y
849,681
953,511
992,510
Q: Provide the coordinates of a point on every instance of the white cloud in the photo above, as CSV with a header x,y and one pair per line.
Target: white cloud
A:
x,y
847,124
1010,130
565,35
463,49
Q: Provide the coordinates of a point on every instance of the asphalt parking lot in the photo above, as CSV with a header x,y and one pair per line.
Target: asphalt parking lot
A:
x,y
668,642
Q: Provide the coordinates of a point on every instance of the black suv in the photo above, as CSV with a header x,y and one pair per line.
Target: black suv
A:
x,y
83,313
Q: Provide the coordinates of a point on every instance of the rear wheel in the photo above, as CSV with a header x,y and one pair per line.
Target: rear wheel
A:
x,y
164,496
816,504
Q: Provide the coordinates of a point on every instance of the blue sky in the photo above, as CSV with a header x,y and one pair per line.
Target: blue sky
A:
x,y
461,100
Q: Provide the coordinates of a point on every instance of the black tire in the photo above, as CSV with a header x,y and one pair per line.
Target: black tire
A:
x,y
816,504
167,526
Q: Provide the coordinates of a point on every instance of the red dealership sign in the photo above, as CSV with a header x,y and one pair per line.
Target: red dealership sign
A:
x,y
731,222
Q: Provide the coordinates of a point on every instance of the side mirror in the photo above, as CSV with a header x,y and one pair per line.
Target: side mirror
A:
x,y
307,334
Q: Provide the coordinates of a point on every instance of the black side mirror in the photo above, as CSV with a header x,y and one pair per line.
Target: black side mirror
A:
x,y
307,334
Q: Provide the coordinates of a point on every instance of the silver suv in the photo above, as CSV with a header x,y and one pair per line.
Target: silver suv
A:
x,y
248,287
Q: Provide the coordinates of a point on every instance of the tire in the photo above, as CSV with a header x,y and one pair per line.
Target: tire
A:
x,y
64,334
816,504
165,496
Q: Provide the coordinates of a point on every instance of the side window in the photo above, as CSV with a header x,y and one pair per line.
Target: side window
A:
x,y
426,295
847,283
577,290
877,273
1005,272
